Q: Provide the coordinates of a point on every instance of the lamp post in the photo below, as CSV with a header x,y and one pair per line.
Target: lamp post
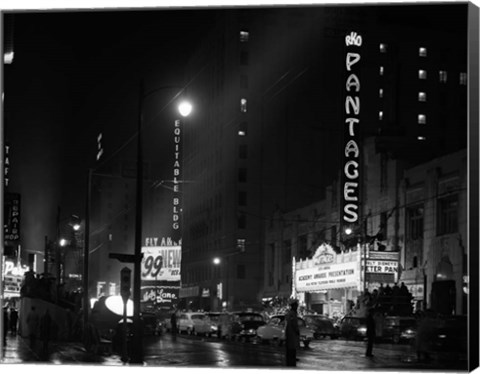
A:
x,y
217,262
185,109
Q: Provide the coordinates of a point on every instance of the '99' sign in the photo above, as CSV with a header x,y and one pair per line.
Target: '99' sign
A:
x,y
151,266
161,264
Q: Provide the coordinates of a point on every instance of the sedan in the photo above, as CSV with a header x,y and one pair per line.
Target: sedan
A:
x,y
194,323
244,325
274,331
322,326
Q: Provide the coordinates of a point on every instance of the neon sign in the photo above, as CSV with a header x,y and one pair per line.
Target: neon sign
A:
x,y
176,176
352,113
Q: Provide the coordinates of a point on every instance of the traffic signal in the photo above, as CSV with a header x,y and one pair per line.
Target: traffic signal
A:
x,y
125,280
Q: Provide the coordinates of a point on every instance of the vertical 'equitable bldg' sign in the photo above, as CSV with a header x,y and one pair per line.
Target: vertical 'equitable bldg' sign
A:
x,y
351,169
177,175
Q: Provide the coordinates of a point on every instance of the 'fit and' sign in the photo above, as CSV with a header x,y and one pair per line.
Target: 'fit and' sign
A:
x,y
351,168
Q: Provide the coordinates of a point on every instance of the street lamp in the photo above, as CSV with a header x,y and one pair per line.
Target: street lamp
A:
x,y
185,109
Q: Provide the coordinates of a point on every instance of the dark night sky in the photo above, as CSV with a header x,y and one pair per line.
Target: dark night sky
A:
x,y
75,74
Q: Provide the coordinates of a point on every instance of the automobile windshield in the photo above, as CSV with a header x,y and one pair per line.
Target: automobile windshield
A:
x,y
251,317
199,316
408,323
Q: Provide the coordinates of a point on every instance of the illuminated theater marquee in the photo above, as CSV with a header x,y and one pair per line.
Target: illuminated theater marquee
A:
x,y
352,113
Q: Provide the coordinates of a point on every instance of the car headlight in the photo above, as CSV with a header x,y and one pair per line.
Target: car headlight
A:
x,y
214,328
362,330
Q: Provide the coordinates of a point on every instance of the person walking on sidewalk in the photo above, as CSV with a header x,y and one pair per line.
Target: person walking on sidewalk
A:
x,y
45,330
32,323
13,321
370,332
5,325
292,334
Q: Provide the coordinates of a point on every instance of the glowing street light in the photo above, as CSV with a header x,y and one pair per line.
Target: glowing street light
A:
x,y
216,261
185,108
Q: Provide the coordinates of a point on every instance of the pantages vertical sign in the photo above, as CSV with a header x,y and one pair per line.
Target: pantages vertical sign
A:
x,y
177,172
351,169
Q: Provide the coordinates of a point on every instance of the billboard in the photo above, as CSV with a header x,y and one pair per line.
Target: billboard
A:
x,y
161,263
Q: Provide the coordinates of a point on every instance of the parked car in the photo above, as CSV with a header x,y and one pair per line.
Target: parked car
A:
x,y
214,321
194,323
353,328
274,331
150,324
244,325
399,329
322,326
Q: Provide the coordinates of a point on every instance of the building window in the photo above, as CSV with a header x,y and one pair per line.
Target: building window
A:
x,y
242,175
242,151
242,129
380,115
422,74
287,251
242,221
383,173
380,93
242,198
243,105
383,48
383,229
244,36
463,79
422,52
415,222
241,272
422,96
422,119
241,245
442,76
244,81
302,249
382,70
244,58
447,220
333,235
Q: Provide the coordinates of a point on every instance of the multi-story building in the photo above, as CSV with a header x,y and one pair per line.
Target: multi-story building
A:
x,y
268,129
423,221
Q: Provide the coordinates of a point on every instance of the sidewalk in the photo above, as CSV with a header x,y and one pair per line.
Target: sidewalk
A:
x,y
18,351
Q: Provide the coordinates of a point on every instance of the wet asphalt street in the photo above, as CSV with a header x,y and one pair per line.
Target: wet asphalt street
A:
x,y
195,351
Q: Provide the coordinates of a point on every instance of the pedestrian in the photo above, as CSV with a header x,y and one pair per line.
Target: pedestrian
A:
x,y
13,321
370,332
32,323
45,330
5,324
173,322
292,334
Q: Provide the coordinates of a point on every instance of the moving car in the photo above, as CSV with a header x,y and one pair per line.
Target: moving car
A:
x,y
244,325
274,331
353,328
322,326
398,329
217,320
194,323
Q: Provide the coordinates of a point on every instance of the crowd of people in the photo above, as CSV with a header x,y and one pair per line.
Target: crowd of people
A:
x,y
396,300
